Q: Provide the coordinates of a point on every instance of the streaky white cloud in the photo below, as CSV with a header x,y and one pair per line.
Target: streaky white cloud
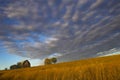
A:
x,y
12,11
114,51
65,24
76,15
81,2
21,9
114,8
56,24
67,15
95,4
55,55
51,40
88,15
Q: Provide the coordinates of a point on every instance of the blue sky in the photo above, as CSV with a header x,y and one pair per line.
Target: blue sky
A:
x,y
7,59
67,29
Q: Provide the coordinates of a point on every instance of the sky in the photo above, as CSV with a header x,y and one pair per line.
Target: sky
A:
x,y
66,29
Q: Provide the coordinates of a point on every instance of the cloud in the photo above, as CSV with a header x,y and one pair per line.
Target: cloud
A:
x,y
51,40
68,12
36,62
55,55
65,29
114,51
91,13
75,17
95,4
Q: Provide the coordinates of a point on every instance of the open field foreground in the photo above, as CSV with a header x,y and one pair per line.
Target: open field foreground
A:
x,y
102,68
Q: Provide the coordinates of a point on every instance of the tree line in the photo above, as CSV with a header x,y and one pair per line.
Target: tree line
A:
x,y
48,61
22,64
26,63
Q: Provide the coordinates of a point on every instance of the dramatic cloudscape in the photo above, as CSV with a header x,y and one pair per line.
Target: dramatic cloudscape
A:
x,y
66,29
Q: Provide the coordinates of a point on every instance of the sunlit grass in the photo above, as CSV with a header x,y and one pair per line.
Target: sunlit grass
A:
x,y
103,68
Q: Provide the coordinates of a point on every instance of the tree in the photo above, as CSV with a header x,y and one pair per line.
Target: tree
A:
x,y
54,60
19,65
26,63
6,69
13,67
23,64
47,61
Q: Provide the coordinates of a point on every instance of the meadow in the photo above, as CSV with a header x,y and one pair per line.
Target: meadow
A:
x,y
101,68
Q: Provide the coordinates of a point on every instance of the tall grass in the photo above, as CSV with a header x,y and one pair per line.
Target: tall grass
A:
x,y
93,69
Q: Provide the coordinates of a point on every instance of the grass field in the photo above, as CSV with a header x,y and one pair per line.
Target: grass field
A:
x,y
102,68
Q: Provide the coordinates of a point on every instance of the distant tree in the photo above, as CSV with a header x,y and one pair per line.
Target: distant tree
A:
x,y
26,63
19,65
54,60
47,61
6,69
13,67
23,64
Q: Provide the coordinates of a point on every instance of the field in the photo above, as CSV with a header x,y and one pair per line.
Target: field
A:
x,y
102,68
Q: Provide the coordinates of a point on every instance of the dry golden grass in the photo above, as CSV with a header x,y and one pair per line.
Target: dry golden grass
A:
x,y
103,68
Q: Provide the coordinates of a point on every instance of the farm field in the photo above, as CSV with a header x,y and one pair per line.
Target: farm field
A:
x,y
101,68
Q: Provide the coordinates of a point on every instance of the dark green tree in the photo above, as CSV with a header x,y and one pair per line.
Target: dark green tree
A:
x,y
47,61
6,69
54,60
13,67
19,65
